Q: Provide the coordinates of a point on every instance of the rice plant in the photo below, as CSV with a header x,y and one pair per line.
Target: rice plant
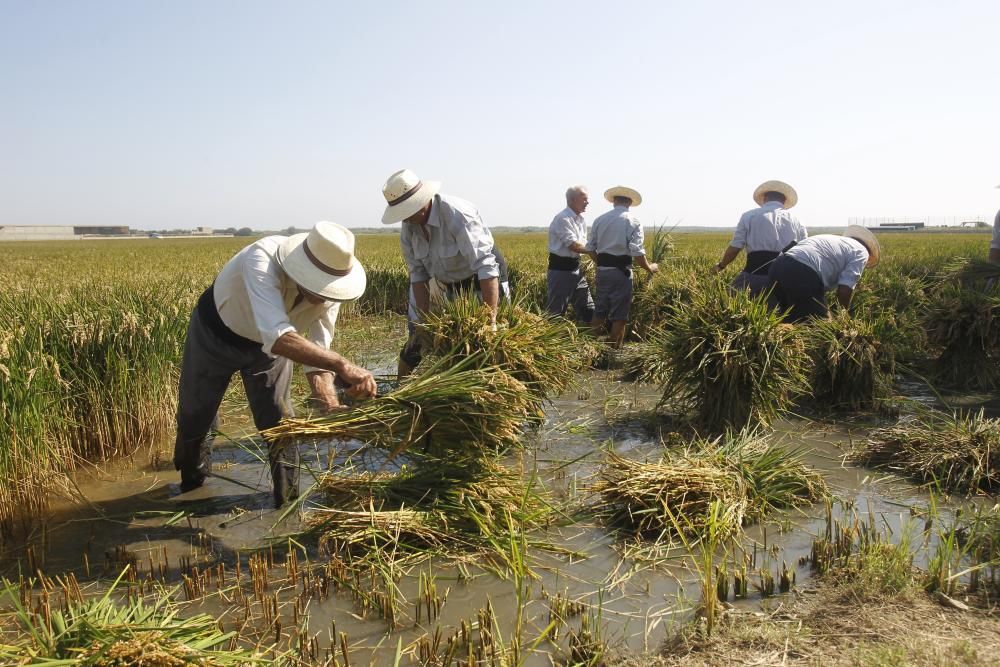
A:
x,y
853,361
730,360
963,330
959,452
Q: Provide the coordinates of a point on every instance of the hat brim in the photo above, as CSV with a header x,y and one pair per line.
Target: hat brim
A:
x,y
791,196
404,210
865,236
298,267
621,191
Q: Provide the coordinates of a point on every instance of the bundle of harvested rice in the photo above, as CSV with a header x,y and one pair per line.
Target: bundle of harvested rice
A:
x,y
896,301
963,327
655,300
854,361
545,353
957,452
643,361
745,472
440,510
461,408
731,360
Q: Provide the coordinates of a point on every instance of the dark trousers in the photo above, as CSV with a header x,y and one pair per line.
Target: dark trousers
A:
x,y
798,289
566,287
208,366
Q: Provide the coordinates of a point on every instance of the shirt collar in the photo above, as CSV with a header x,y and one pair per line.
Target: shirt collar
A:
x,y
622,207
773,204
572,214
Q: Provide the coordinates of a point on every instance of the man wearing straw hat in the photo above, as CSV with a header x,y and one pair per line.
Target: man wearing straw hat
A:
x,y
274,303
803,274
565,281
764,232
445,242
617,239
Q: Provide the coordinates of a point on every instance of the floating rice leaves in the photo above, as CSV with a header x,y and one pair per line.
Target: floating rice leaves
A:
x,y
853,361
437,510
745,472
545,353
730,360
963,328
958,452
446,409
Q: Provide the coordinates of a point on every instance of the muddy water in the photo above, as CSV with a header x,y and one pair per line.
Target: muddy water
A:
x,y
139,508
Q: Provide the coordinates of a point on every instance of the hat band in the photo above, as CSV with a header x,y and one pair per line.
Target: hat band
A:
x,y
340,273
406,195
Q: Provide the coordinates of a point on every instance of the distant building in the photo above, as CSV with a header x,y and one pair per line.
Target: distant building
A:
x,y
59,232
202,231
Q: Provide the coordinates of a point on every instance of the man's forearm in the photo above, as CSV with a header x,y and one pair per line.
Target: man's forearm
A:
x,y
421,296
844,294
728,257
490,289
303,351
322,387
643,263
995,255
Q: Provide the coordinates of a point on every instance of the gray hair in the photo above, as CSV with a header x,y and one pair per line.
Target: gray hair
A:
x,y
574,190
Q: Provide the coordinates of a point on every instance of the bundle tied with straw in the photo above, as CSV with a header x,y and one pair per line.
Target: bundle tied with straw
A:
x,y
854,361
730,360
962,321
745,472
545,353
449,409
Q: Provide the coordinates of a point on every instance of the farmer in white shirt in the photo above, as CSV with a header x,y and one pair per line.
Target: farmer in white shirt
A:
x,y
803,275
567,240
616,237
274,303
443,239
764,232
995,243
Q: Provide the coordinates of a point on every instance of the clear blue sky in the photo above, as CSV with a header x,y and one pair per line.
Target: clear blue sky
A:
x,y
271,114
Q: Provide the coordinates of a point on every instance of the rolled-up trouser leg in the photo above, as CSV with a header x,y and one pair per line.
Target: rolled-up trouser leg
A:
x,y
268,384
206,370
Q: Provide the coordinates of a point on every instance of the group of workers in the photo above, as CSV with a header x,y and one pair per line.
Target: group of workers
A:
x,y
276,302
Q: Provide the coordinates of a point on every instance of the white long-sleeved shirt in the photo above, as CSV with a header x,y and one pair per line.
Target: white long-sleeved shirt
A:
x,y
839,260
617,232
995,243
257,300
566,228
770,228
460,244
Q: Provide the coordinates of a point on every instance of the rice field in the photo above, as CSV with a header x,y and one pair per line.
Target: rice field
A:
x,y
505,462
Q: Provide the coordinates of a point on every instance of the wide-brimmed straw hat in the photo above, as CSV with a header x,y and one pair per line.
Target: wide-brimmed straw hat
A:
x,y
622,191
859,233
782,188
405,194
322,261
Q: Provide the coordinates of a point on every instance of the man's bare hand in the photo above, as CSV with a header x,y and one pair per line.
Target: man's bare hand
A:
x,y
653,267
360,383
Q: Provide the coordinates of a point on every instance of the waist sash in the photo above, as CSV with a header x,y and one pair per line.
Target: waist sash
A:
x,y
209,315
616,261
560,263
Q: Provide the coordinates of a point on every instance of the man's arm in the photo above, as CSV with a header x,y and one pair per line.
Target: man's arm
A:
x,y
421,296
300,350
576,246
995,255
727,258
490,289
324,392
645,263
844,294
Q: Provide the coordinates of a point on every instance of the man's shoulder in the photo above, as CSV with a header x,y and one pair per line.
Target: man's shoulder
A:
x,y
453,204
565,215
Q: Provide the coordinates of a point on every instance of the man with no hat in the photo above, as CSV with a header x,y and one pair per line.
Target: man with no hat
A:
x,y
445,242
764,232
617,240
565,280
274,303
802,275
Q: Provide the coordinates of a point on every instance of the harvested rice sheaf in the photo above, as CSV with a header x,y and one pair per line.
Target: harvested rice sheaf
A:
x,y
545,353
746,473
963,329
730,360
957,452
441,510
854,361
448,409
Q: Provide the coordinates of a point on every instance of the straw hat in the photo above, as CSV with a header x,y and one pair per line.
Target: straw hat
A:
x,y
322,261
406,194
791,197
859,233
622,191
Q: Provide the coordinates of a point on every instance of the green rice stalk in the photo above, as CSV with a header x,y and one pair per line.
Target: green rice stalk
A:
x,y
963,330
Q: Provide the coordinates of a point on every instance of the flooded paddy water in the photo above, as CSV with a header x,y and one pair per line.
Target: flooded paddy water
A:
x,y
228,551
